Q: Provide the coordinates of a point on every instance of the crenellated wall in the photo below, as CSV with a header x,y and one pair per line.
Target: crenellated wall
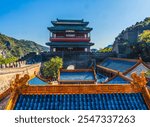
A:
x,y
13,65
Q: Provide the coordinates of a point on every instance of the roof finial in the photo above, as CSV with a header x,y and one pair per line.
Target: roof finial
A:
x,y
140,59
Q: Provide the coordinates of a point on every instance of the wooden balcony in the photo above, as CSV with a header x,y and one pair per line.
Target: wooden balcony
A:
x,y
70,39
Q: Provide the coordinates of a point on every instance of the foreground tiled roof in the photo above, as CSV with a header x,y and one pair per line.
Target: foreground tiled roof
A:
x,y
124,101
119,65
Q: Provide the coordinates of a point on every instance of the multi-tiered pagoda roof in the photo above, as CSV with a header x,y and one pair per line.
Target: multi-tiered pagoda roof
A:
x,y
69,35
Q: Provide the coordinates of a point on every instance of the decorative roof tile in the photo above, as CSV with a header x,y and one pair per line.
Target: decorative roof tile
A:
x,y
69,27
69,22
115,101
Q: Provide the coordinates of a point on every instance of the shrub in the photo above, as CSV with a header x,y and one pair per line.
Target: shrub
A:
x,y
50,68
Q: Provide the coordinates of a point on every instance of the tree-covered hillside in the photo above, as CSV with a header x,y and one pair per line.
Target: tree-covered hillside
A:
x,y
11,47
134,41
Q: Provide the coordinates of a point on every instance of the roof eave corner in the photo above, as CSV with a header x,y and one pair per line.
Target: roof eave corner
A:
x,y
53,22
48,28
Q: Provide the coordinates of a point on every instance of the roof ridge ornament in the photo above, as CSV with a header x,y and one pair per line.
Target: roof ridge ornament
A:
x,y
139,80
140,59
19,82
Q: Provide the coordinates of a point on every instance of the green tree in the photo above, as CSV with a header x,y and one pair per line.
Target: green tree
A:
x,y
1,60
50,68
148,73
144,42
7,60
144,37
104,50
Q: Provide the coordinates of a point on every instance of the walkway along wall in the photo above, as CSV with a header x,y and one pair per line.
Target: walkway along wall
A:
x,y
8,74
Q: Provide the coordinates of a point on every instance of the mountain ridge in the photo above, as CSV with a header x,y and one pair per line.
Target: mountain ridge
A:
x,y
10,46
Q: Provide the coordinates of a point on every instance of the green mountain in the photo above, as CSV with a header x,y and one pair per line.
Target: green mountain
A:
x,y
12,47
128,38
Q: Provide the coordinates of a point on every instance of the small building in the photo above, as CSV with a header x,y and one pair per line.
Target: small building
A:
x,y
69,35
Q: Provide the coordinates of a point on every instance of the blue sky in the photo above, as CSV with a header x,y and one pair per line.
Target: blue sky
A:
x,y
29,19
